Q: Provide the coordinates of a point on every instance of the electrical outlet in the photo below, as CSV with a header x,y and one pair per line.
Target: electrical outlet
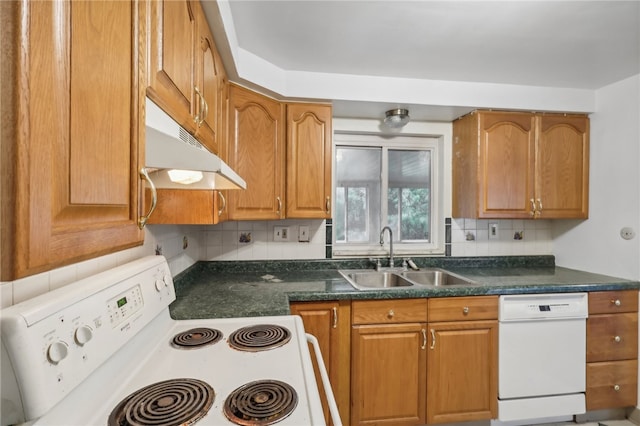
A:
x,y
281,233
493,231
303,233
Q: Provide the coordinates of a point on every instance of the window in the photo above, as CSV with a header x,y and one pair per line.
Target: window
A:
x,y
386,182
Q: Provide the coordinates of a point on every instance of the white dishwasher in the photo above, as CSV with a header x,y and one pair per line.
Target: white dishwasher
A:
x,y
542,355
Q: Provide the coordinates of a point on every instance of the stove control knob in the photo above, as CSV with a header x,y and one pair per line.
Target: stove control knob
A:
x,y
57,351
167,279
159,285
83,334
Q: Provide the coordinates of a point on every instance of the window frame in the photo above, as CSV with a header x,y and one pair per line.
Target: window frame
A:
x,y
396,142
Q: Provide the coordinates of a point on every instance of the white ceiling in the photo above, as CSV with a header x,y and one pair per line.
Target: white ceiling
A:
x,y
559,44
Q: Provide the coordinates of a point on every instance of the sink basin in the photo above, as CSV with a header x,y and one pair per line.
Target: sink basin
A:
x,y
374,280
436,277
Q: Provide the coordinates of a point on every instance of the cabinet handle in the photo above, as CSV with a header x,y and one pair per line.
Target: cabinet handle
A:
x,y
433,339
616,302
539,206
533,207
224,203
335,317
424,339
327,205
279,205
616,388
142,221
617,339
390,314
465,310
199,118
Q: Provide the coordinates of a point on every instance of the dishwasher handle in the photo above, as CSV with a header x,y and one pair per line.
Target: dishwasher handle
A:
x,y
331,401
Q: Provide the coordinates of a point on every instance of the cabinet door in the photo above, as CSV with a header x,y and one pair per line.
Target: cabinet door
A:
x,y
462,371
76,174
256,152
506,161
172,35
329,323
388,378
309,161
207,79
562,167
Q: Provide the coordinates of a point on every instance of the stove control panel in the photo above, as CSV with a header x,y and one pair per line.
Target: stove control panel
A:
x,y
127,303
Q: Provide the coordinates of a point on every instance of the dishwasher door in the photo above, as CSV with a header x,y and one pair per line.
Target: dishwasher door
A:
x,y
541,358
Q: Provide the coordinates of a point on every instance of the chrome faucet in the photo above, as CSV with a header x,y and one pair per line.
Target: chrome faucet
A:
x,y
390,243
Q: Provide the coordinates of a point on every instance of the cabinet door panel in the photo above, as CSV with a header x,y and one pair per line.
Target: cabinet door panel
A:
x,y
562,166
308,161
77,148
612,337
462,372
256,152
506,165
388,381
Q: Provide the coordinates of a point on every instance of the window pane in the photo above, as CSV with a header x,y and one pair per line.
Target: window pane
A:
x,y
408,198
357,194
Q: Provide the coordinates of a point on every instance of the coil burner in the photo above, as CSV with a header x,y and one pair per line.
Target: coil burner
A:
x,y
263,402
259,337
196,338
170,402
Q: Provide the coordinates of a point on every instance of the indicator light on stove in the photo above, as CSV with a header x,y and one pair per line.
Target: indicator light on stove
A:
x,y
83,334
57,351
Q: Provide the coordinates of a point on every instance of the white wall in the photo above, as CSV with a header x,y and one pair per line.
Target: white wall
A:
x,y
595,244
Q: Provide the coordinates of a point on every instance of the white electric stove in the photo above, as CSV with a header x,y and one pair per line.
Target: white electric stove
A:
x,y
104,351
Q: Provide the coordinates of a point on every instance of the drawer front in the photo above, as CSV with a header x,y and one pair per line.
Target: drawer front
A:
x,y
612,384
612,337
388,311
611,302
463,308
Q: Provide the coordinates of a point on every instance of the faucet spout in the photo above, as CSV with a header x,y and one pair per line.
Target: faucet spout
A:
x,y
386,228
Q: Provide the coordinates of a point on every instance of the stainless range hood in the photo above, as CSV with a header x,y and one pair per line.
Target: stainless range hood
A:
x,y
170,150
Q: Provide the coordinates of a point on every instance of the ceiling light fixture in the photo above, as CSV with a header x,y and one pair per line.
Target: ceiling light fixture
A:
x,y
396,118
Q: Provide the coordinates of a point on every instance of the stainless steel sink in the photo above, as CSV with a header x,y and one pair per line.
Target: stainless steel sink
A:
x,y
363,279
436,277
374,280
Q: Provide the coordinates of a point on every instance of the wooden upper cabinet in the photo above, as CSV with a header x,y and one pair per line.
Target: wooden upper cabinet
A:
x,y
520,165
75,189
309,161
562,166
256,152
172,35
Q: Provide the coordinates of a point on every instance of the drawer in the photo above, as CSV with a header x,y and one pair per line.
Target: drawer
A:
x,y
388,311
612,337
612,384
463,308
610,302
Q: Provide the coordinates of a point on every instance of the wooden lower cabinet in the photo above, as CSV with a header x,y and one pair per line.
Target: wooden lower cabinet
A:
x,y
612,350
330,323
462,371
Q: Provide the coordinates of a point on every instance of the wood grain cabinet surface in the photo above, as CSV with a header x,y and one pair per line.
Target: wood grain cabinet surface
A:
x,y
330,322
309,149
612,349
520,165
73,188
184,74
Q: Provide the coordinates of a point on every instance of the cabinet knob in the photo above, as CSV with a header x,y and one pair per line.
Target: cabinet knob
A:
x,y
617,339
390,314
616,302
616,388
465,310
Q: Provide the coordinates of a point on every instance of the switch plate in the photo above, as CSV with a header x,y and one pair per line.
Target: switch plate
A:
x,y
493,231
281,233
303,234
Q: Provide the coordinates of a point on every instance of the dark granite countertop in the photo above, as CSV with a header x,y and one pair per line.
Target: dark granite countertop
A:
x,y
238,289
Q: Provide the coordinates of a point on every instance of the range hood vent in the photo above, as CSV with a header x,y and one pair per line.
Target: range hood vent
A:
x,y
169,147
